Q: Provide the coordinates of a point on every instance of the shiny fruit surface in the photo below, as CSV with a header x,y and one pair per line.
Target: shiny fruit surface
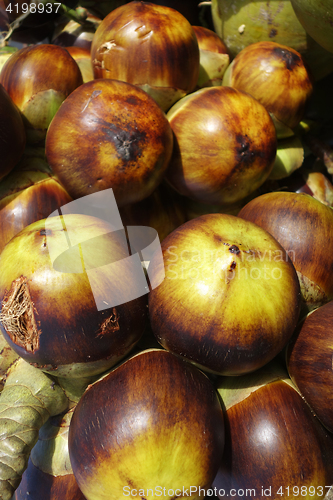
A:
x,y
240,23
51,314
309,362
109,134
275,446
277,76
225,145
304,227
230,298
29,193
159,432
148,45
38,79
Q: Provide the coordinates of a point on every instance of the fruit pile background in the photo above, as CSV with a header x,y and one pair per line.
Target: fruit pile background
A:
x,y
166,249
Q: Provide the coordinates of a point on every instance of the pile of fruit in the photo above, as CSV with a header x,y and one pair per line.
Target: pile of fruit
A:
x,y
166,250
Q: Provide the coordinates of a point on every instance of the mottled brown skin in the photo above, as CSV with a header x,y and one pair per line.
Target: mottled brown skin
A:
x,y
273,440
12,133
309,362
277,76
109,134
39,67
37,484
163,426
304,227
151,44
28,201
209,40
222,304
224,145
69,328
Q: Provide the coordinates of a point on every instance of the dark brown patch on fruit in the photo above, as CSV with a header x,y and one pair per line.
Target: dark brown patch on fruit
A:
x,y
18,316
291,59
126,138
234,249
244,152
111,324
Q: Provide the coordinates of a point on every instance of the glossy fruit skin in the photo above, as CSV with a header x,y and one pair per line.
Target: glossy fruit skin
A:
x,y
35,62
277,76
304,227
240,23
42,76
109,134
162,427
62,331
13,137
309,362
274,444
148,45
29,193
317,20
215,305
225,145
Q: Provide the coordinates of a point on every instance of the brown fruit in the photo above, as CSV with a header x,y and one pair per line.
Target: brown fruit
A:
x,y
29,193
38,78
148,45
153,424
109,134
278,77
304,227
230,298
224,148
65,315
275,446
309,362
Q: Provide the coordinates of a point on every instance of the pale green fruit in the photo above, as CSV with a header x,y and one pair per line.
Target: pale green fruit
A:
x,y
289,157
240,23
317,19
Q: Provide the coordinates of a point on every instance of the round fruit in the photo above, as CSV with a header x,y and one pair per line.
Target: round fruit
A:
x,y
152,426
278,77
225,145
109,134
75,314
309,362
230,298
304,227
148,45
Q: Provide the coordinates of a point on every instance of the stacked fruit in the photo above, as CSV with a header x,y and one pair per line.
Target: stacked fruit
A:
x,y
166,272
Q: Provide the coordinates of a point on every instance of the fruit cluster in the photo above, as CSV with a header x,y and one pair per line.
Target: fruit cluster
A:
x,y
166,269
